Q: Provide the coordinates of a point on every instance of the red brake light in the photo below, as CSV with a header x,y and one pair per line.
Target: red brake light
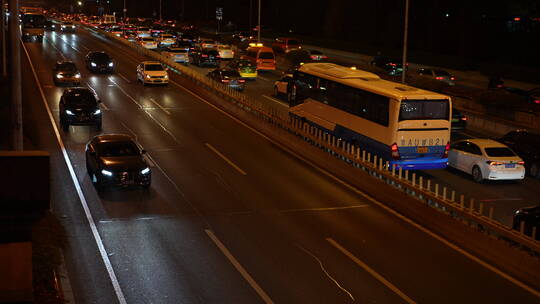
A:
x,y
241,80
537,101
203,55
452,78
395,151
224,80
218,56
446,149
439,78
521,163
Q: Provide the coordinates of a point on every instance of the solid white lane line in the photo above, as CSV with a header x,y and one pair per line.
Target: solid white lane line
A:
x,y
226,159
372,272
239,267
89,217
281,103
323,209
326,272
159,106
125,93
124,77
54,46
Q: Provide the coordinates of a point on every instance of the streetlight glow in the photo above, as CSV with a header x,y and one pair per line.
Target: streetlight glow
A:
x,y
79,3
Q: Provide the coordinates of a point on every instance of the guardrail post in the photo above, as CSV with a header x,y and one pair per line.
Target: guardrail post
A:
x,y
428,186
522,227
491,213
413,179
462,201
444,193
369,157
357,152
453,196
481,211
533,235
393,170
399,172
471,210
363,155
436,190
420,182
375,160
407,175
380,163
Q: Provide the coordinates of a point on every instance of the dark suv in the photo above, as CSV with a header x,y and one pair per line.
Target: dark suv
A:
x,y
79,106
527,146
391,65
209,57
99,62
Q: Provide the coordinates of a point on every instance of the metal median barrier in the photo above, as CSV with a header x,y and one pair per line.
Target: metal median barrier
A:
x,y
443,199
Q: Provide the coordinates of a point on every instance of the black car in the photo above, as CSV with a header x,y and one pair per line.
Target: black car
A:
x,y
527,146
67,27
99,62
50,25
459,120
202,57
188,46
228,77
530,217
66,72
79,106
115,159
391,65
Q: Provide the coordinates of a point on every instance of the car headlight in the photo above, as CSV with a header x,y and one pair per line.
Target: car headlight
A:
x,y
145,170
147,76
166,76
93,64
68,112
77,75
106,172
59,76
111,64
53,26
97,112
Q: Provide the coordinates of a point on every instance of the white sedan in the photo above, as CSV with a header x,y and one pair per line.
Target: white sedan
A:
x,y
486,159
148,42
225,51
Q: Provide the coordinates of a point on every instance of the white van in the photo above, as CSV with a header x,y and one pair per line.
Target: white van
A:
x,y
109,19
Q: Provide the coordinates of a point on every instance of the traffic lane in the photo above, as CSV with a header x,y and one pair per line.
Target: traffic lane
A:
x,y
111,223
87,275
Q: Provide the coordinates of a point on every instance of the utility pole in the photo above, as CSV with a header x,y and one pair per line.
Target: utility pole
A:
x,y
4,32
405,34
16,91
259,28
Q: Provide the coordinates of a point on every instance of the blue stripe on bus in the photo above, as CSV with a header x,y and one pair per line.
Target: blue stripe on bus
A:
x,y
410,159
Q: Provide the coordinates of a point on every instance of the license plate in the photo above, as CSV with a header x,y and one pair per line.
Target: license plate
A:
x,y
422,149
509,165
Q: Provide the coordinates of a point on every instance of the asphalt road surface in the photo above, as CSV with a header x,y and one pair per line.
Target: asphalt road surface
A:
x,y
230,217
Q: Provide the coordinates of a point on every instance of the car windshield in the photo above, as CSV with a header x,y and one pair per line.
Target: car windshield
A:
x,y
424,109
266,55
100,57
81,98
153,67
66,66
499,152
441,73
112,149
148,40
230,73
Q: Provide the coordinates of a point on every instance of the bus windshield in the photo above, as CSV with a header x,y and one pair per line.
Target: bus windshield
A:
x,y
424,109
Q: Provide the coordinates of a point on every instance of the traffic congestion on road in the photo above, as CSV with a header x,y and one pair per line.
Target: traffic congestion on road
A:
x,y
192,205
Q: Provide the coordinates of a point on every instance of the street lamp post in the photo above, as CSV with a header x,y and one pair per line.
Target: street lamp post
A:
x,y
259,27
405,34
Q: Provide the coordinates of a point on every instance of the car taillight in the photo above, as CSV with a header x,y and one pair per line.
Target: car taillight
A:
x,y
241,80
224,80
439,78
493,163
464,118
452,78
218,56
204,56
395,151
446,149
537,101
521,163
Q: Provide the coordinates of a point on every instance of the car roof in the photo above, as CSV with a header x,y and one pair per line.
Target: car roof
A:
x,y
485,143
113,138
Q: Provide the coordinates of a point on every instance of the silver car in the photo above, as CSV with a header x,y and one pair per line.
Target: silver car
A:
x,y
437,74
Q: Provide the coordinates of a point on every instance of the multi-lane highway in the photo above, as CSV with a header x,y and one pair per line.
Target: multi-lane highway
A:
x,y
230,217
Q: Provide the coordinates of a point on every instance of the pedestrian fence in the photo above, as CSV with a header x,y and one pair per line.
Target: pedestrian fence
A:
x,y
446,200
